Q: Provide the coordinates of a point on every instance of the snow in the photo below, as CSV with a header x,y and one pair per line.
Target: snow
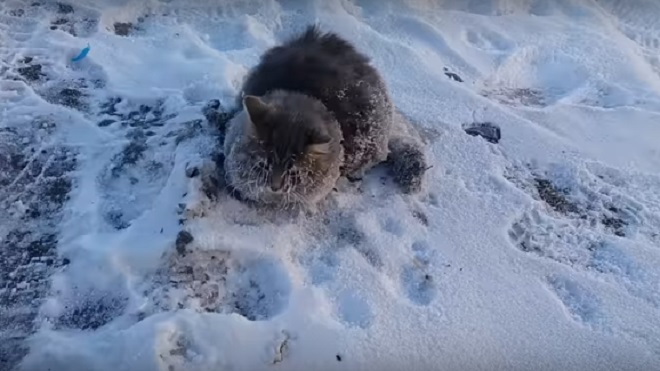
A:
x,y
537,252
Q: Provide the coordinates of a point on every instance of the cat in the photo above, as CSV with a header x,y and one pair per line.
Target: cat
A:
x,y
312,110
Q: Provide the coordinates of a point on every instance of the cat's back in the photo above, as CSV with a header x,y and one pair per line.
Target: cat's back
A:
x,y
330,69
317,64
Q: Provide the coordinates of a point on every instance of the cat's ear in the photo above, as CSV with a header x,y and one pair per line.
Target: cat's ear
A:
x,y
318,144
256,109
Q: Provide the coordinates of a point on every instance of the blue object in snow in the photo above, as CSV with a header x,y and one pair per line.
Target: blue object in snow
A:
x,y
83,54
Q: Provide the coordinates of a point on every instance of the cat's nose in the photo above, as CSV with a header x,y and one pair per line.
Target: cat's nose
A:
x,y
276,182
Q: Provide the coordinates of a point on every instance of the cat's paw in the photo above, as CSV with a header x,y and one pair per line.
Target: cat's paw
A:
x,y
408,163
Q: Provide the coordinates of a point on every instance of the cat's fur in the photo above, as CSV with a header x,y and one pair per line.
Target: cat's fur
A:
x,y
314,109
284,147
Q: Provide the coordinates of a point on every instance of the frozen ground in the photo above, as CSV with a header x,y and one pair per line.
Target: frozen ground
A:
x,y
118,251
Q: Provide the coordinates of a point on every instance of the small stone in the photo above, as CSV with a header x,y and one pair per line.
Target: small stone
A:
x,y
454,76
123,29
486,130
183,239
31,73
64,8
192,172
214,104
105,123
181,207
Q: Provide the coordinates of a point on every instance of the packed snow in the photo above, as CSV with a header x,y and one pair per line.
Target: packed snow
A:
x,y
535,244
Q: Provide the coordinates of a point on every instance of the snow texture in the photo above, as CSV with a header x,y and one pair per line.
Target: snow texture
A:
x,y
535,244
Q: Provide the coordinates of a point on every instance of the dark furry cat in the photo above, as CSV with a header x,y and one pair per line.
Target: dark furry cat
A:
x,y
314,109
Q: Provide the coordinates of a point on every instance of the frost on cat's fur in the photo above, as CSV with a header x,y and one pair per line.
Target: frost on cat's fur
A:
x,y
283,148
316,82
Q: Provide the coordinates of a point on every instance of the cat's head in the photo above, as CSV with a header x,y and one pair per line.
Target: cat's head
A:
x,y
294,138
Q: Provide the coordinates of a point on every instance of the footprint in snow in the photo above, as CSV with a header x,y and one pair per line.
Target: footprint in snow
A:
x,y
417,281
256,287
354,310
612,261
580,304
349,234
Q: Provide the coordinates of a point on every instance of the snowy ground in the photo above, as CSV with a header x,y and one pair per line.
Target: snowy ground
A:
x,y
538,252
